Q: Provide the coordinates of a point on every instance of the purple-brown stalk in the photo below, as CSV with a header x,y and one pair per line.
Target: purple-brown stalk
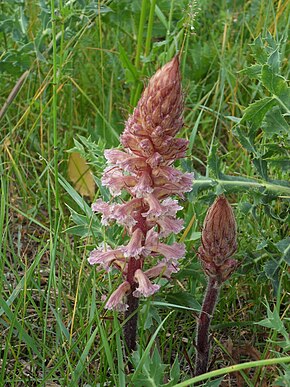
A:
x,y
218,244
144,170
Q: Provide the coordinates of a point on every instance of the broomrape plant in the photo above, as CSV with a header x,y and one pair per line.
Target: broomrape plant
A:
x,y
144,169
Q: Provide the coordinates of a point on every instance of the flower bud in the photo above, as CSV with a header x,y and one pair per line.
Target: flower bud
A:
x,y
158,117
218,240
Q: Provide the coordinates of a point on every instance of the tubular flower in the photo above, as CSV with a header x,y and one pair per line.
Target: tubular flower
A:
x,y
144,169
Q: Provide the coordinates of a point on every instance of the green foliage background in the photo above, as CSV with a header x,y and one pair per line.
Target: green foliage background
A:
x,y
79,68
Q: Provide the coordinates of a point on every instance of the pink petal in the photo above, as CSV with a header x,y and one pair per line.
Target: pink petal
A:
x,y
115,156
146,147
114,179
152,237
174,251
162,269
169,225
127,162
105,258
124,213
116,300
152,244
134,247
170,207
144,185
170,188
145,288
155,208
155,160
105,209
174,179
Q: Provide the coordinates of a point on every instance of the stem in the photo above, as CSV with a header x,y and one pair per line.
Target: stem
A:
x,y
202,339
276,189
130,327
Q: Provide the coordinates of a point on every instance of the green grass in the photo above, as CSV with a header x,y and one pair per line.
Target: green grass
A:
x,y
87,67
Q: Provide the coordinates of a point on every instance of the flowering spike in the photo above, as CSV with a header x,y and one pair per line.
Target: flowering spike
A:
x,y
144,169
218,240
218,244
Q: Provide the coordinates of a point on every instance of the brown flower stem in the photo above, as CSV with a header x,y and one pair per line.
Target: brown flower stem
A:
x,y
130,327
202,339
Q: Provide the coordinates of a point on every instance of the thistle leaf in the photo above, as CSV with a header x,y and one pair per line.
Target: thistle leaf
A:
x,y
276,85
257,110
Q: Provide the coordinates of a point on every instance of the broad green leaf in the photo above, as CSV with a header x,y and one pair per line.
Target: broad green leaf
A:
x,y
152,371
174,373
277,85
274,60
214,383
145,354
245,140
150,313
283,380
183,299
255,112
252,72
259,51
284,247
75,196
275,123
132,74
214,163
271,269
261,166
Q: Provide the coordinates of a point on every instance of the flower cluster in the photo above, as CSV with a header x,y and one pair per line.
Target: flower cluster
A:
x,y
219,241
144,170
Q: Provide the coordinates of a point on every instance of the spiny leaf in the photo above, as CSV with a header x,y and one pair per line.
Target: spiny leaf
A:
x,y
274,60
246,141
257,110
259,51
276,84
214,163
275,123
284,247
253,71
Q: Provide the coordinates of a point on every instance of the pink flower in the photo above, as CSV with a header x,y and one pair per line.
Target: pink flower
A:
x,y
114,179
124,213
116,300
129,163
155,208
152,244
162,269
134,247
144,185
145,288
144,170
105,209
105,258
168,225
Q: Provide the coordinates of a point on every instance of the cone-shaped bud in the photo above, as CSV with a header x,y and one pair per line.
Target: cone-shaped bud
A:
x,y
218,240
150,130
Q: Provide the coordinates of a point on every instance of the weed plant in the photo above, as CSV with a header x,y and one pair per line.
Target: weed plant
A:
x,y
71,72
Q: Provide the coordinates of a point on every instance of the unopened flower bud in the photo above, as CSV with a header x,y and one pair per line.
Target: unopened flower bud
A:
x,y
158,117
218,240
